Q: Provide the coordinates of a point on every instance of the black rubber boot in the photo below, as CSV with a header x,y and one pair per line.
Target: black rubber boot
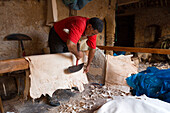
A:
x,y
52,101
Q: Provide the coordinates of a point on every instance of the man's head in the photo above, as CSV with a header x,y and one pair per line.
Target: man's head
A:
x,y
94,26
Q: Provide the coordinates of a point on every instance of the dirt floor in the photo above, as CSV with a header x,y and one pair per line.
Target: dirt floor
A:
x,y
94,96
88,101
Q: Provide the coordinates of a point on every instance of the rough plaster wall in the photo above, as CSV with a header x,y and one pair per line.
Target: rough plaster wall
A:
x,y
145,17
95,8
27,17
63,11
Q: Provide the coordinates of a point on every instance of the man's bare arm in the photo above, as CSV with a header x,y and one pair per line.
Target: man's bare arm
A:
x,y
72,47
90,58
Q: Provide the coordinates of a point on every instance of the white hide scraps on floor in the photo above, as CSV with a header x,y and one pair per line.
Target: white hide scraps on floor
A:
x,y
131,104
48,74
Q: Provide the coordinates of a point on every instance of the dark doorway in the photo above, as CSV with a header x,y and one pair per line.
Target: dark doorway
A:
x,y
124,31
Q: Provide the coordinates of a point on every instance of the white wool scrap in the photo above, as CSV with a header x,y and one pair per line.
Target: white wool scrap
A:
x,y
132,104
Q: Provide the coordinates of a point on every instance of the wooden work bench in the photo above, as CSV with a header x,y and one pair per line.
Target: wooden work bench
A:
x,y
21,64
15,65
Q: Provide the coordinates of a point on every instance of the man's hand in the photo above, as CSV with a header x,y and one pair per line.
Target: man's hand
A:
x,y
86,69
72,47
90,58
80,55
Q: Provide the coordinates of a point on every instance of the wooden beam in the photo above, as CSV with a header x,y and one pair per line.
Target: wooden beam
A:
x,y
135,49
126,14
13,65
166,2
126,2
162,4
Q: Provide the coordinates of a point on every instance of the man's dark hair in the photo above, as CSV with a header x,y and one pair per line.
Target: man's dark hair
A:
x,y
96,23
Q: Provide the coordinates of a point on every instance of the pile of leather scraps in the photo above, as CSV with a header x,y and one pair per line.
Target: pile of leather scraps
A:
x,y
161,65
92,98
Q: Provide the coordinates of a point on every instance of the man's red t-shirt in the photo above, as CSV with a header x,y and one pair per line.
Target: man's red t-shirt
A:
x,y
76,26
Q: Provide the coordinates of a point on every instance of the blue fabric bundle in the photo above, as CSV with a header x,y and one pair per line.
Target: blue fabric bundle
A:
x,y
152,82
117,53
76,4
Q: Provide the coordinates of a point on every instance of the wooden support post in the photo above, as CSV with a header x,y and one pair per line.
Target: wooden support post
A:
x,y
161,1
27,84
139,5
1,106
18,83
166,2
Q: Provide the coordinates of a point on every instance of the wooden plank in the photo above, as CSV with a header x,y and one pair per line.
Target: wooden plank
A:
x,y
126,2
1,106
135,49
162,4
13,65
126,14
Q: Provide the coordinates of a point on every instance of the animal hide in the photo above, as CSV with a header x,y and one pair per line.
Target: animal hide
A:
x,y
48,73
118,68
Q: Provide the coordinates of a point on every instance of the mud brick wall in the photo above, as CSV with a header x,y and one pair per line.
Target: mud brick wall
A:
x,y
29,17
22,16
150,16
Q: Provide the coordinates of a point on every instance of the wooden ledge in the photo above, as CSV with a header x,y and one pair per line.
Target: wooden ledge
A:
x,y
13,65
135,49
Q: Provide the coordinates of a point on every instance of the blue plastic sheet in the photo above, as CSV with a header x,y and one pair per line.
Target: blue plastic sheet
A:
x,y
119,53
76,4
152,82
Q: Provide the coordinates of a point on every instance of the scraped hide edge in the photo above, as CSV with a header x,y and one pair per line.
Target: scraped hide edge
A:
x,y
48,74
118,68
